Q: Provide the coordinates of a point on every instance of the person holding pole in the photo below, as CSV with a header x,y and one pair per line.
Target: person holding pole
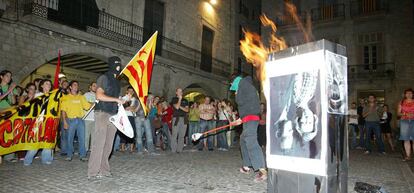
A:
x,y
247,99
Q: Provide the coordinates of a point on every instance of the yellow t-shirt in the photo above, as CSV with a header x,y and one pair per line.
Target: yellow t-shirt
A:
x,y
74,105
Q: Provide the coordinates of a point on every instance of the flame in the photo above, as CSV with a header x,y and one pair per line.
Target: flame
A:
x,y
256,52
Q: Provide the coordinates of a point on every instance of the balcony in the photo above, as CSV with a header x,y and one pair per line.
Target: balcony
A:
x,y
328,12
124,32
361,8
371,71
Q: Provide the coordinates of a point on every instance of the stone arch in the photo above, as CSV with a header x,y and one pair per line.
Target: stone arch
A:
x,y
201,88
96,52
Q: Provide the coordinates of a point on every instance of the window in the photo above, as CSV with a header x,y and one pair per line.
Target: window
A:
x,y
154,21
370,49
207,49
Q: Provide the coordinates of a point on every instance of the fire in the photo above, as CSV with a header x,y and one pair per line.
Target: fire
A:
x,y
256,52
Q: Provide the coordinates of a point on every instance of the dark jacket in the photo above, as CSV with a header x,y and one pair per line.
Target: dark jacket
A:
x,y
247,98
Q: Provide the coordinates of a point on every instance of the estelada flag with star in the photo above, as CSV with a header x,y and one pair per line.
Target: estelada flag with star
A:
x,y
139,70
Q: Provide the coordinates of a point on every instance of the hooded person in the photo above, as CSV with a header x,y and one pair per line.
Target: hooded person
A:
x,y
248,102
107,93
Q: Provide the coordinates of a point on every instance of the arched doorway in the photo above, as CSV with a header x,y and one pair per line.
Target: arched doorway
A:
x,y
80,67
196,92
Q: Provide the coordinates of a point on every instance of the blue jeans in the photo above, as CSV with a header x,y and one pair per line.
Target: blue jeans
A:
x,y
362,131
76,125
221,135
47,156
406,130
251,152
143,125
205,126
165,131
352,128
63,139
117,141
374,126
193,127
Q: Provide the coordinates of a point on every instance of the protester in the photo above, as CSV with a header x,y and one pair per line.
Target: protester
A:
x,y
353,124
361,124
143,125
90,118
223,114
73,108
107,92
385,123
130,106
37,84
207,112
406,112
180,121
30,90
194,120
7,99
166,118
261,130
248,103
372,120
47,154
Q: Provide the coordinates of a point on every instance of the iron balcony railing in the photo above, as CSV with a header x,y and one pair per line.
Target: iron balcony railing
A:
x,y
116,29
368,7
328,12
371,71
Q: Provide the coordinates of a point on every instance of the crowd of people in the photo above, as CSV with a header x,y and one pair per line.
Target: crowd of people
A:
x,y
168,126
373,122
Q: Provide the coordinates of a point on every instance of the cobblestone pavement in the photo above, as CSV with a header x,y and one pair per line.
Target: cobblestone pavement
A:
x,y
186,172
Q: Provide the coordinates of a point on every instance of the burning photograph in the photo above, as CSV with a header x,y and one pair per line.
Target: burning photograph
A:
x,y
295,113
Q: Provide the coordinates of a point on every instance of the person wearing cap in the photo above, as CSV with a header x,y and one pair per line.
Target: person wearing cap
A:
x,y
107,93
247,99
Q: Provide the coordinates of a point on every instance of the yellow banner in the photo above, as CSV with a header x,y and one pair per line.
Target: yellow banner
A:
x,y
34,125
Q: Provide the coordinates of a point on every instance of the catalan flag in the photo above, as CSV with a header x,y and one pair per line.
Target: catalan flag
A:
x,y
139,70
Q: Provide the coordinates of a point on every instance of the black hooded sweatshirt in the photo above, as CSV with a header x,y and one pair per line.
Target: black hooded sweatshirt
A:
x,y
247,98
110,85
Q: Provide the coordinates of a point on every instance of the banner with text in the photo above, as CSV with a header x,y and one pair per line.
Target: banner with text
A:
x,y
31,126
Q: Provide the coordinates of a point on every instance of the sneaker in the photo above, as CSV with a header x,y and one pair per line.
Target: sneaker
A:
x,y
107,175
68,159
154,154
359,147
84,159
224,149
261,176
47,163
95,178
367,152
383,153
244,170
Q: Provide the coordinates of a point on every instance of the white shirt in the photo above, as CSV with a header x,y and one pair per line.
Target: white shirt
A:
x,y
90,97
353,112
223,115
133,101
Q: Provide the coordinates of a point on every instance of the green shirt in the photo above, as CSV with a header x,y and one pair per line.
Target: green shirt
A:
x,y
194,114
6,101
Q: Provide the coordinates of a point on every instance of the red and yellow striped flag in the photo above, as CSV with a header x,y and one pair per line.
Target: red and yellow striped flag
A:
x,y
139,70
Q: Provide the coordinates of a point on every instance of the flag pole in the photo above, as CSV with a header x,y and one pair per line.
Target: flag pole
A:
x,y
155,33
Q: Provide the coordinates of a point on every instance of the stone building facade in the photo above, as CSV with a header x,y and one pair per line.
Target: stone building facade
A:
x,y
378,35
32,32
